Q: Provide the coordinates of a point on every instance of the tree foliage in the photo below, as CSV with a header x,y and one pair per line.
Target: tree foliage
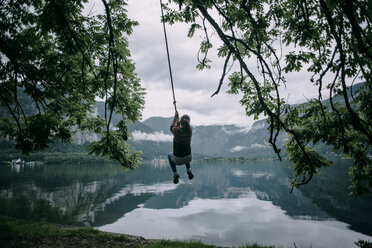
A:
x,y
331,40
62,60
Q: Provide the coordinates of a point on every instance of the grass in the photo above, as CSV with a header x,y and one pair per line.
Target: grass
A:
x,y
188,244
14,228
20,233
176,244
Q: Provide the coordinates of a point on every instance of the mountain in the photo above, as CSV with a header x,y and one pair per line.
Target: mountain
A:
x,y
140,126
153,137
160,124
227,140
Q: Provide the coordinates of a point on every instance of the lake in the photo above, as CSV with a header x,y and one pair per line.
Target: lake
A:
x,y
227,203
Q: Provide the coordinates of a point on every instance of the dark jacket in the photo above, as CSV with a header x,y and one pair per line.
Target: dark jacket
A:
x,y
181,141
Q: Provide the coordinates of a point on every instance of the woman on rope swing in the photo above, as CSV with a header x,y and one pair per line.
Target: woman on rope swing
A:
x,y
182,132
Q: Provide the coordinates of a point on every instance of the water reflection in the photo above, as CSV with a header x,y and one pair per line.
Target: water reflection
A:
x,y
126,200
18,166
226,203
235,222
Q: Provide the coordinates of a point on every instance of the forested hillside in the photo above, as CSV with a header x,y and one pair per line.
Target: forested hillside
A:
x,y
153,137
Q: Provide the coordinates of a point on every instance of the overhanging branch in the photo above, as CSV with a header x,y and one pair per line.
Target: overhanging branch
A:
x,y
223,74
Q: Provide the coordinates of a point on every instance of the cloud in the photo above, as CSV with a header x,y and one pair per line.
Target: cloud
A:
x,y
156,136
241,148
237,131
193,88
238,148
255,145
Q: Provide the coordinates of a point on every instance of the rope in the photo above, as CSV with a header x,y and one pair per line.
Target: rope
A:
x,y
169,63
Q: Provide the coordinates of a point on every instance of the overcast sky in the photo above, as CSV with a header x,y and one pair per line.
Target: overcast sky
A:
x,y
193,88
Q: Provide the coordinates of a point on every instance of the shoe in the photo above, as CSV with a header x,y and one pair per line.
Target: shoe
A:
x,y
175,178
189,173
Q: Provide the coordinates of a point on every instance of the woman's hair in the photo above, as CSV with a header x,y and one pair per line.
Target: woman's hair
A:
x,y
185,119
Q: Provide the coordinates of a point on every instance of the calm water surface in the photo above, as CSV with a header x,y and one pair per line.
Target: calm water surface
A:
x,y
228,204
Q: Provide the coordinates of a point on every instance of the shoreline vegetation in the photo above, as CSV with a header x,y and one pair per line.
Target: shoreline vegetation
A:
x,y
60,153
21,233
82,157
46,158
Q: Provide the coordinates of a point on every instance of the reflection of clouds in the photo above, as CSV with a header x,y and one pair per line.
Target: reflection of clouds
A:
x,y
158,188
138,189
261,174
239,173
234,222
134,189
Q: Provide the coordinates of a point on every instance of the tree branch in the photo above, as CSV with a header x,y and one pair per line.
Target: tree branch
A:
x,y
348,8
223,74
224,38
357,122
73,36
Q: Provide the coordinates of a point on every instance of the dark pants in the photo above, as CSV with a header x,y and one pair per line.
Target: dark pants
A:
x,y
173,165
